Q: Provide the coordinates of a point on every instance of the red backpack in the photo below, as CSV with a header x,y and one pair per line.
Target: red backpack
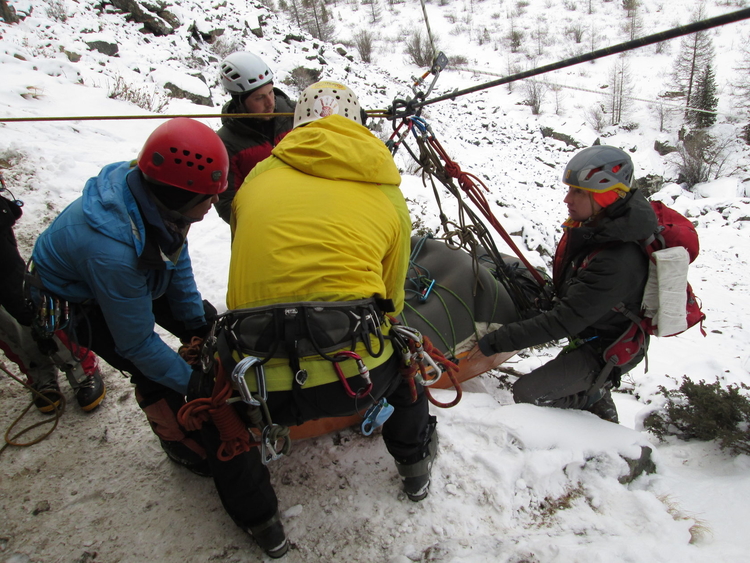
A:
x,y
674,231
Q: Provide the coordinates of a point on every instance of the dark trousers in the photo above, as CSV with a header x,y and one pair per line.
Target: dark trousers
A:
x,y
568,381
158,402
244,483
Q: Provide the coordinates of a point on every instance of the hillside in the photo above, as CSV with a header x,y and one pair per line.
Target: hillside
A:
x,y
513,483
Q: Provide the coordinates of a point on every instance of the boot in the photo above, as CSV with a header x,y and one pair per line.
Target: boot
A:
x,y
90,392
415,476
270,537
50,400
605,407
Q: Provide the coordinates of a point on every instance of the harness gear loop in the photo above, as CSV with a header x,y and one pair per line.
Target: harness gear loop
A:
x,y
364,373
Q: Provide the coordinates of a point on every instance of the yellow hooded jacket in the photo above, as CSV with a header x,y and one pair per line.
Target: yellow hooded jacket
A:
x,y
322,219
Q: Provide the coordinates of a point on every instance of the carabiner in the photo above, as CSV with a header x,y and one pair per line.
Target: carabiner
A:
x,y
238,378
363,372
268,450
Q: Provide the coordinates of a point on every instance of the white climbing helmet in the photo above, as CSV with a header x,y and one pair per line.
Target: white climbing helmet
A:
x,y
243,72
326,98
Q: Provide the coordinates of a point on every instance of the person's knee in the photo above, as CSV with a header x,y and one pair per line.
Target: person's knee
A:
x,y
523,392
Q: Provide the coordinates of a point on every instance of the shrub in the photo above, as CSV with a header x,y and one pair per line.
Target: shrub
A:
x,y
363,43
705,411
420,52
301,77
150,100
57,10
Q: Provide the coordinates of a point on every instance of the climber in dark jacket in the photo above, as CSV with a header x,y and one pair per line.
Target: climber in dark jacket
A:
x,y
249,140
599,264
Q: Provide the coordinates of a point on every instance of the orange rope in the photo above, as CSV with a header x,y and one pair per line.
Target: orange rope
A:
x,y
235,438
409,373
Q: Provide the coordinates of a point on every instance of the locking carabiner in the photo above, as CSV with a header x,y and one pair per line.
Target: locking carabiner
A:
x,y
364,373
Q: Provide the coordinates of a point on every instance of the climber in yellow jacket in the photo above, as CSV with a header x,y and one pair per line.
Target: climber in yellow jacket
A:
x,y
320,251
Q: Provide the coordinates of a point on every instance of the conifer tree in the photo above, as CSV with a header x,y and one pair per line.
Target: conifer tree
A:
x,y
696,51
318,22
704,98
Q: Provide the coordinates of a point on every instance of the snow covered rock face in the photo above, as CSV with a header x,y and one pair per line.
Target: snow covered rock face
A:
x,y
510,485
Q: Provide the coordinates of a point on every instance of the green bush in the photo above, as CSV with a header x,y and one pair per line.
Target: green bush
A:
x,y
705,411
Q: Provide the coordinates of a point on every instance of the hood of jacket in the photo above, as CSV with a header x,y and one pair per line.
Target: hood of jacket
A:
x,y
110,208
337,148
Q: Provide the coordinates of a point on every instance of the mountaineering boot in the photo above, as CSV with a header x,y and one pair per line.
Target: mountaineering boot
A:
x,y
90,392
189,459
605,407
50,400
270,537
415,476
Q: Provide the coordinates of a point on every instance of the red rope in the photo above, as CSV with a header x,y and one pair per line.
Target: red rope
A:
x,y
410,372
467,183
235,438
450,371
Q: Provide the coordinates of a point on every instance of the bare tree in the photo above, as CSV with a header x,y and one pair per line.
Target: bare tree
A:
x,y
559,96
742,82
621,84
534,95
539,35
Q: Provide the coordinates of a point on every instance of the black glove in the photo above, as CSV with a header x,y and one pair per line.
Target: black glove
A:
x,y
201,385
210,313
485,345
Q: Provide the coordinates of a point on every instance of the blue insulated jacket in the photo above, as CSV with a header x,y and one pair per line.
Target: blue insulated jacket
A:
x,y
91,251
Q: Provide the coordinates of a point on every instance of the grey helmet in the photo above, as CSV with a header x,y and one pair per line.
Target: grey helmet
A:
x,y
243,72
326,98
600,168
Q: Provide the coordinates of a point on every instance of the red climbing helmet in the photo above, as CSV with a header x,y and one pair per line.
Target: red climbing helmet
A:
x,y
186,154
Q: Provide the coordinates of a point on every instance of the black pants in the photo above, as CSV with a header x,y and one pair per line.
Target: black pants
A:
x,y
567,381
244,483
158,402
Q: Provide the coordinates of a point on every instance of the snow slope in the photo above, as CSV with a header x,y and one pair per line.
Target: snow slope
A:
x,y
512,483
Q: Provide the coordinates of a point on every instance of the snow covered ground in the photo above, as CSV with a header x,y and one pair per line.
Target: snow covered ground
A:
x,y
512,483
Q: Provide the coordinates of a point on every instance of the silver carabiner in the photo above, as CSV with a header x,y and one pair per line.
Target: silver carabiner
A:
x,y
426,358
238,378
268,451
